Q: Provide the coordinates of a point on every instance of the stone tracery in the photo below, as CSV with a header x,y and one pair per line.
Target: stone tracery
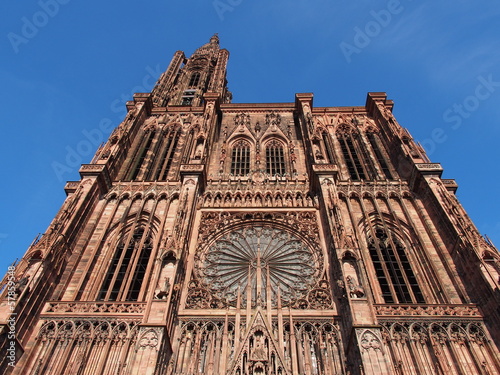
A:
x,y
252,255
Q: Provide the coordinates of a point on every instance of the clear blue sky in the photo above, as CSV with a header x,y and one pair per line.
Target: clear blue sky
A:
x,y
66,66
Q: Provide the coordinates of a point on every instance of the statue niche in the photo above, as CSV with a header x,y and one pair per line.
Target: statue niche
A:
x,y
352,278
259,347
166,276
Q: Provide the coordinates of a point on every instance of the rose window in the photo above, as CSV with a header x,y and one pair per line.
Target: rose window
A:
x,y
246,259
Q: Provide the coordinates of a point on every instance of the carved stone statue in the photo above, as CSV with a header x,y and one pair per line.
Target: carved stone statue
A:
x,y
355,290
259,349
162,292
21,285
317,153
349,241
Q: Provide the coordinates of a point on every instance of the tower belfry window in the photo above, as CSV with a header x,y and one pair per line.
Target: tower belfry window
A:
x,y
187,97
195,79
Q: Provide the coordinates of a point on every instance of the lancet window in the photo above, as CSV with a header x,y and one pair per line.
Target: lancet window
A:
x,y
127,269
195,79
374,140
355,155
393,270
162,165
240,162
275,158
328,147
140,157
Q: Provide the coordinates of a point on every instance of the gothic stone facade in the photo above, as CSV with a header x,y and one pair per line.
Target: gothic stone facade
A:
x,y
210,237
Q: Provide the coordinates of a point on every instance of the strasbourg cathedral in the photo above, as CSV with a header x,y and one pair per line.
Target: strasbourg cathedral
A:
x,y
210,237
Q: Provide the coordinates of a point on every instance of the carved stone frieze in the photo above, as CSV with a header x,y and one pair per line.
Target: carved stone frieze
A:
x,y
426,311
250,186
200,297
71,308
436,332
268,198
145,188
374,188
327,169
271,122
93,167
303,222
192,168
88,328
428,166
320,298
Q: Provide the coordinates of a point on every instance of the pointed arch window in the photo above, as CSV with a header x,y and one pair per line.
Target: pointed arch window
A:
x,y
359,164
240,161
328,146
166,152
275,158
374,140
127,269
350,153
195,79
139,159
393,270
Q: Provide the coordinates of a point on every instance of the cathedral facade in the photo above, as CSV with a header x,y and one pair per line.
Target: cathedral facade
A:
x,y
210,237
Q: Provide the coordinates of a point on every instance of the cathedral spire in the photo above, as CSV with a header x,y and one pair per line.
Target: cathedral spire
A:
x,y
187,79
215,38
211,47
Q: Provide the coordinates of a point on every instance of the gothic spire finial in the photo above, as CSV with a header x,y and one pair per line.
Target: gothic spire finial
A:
x,y
215,38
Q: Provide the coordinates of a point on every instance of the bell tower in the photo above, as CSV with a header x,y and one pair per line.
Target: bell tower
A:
x,y
188,79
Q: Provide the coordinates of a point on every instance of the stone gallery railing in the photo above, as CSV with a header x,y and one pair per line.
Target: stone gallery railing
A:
x,y
431,311
107,308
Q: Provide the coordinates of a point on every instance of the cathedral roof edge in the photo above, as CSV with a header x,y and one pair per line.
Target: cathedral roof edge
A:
x,y
257,106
